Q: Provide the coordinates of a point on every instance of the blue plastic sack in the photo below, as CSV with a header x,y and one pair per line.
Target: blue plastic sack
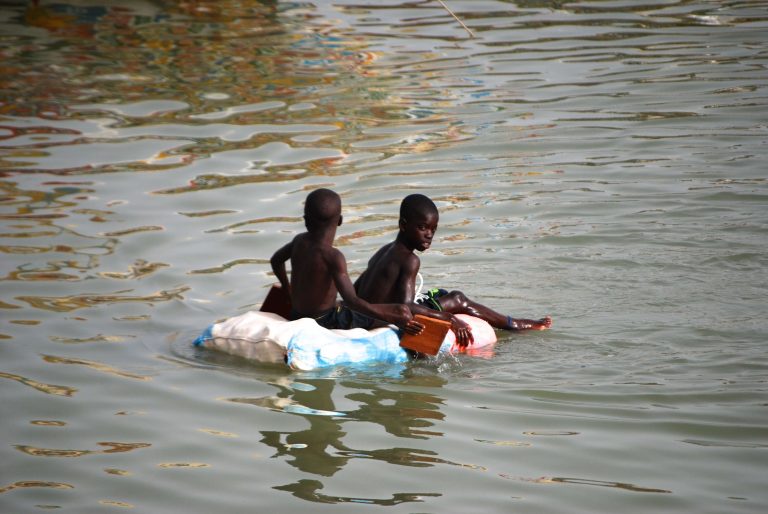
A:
x,y
310,348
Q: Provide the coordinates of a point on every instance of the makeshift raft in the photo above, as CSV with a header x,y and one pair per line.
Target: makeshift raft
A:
x,y
304,345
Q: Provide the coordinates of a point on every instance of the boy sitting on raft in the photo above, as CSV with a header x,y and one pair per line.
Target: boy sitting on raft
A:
x,y
319,271
391,277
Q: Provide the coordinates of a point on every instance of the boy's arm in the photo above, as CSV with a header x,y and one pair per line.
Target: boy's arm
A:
x,y
278,261
397,314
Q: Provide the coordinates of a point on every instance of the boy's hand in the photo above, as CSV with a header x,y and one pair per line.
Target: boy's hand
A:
x,y
413,327
399,314
463,332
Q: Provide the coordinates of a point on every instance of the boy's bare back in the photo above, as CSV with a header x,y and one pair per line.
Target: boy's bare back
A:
x,y
313,264
390,276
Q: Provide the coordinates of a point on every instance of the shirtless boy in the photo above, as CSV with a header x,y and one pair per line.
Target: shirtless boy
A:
x,y
319,271
391,276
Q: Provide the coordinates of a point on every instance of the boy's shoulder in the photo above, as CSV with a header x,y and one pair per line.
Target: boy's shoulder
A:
x,y
306,238
411,261
306,245
397,254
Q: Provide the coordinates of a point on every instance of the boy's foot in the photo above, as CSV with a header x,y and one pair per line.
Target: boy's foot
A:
x,y
530,324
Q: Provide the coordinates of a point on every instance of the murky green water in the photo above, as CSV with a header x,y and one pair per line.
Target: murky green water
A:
x,y
602,162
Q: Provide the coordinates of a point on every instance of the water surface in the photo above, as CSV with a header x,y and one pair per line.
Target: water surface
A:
x,y
601,162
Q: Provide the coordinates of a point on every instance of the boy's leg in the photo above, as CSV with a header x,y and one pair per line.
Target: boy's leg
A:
x,y
457,302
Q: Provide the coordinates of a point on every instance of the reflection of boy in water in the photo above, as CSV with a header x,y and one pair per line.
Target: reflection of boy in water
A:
x,y
319,272
391,276
320,448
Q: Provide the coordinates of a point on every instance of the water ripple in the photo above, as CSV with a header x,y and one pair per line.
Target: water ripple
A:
x,y
602,161
58,390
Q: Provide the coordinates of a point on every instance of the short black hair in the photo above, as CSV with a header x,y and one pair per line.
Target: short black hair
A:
x,y
321,207
416,205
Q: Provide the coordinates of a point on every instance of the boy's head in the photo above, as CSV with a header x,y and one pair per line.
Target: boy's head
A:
x,y
322,208
416,205
418,221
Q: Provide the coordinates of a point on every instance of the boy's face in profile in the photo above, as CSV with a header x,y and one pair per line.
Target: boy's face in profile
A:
x,y
419,230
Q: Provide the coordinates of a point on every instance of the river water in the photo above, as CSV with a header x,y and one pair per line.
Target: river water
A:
x,y
600,161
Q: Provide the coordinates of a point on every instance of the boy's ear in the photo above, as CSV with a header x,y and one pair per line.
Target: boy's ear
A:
x,y
341,218
401,223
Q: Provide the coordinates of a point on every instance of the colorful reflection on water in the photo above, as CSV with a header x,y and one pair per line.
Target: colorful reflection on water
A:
x,y
598,161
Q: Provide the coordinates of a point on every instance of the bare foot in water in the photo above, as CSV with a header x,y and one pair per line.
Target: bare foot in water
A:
x,y
531,324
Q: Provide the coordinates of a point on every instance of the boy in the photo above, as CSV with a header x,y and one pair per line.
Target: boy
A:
x,y
391,276
319,271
